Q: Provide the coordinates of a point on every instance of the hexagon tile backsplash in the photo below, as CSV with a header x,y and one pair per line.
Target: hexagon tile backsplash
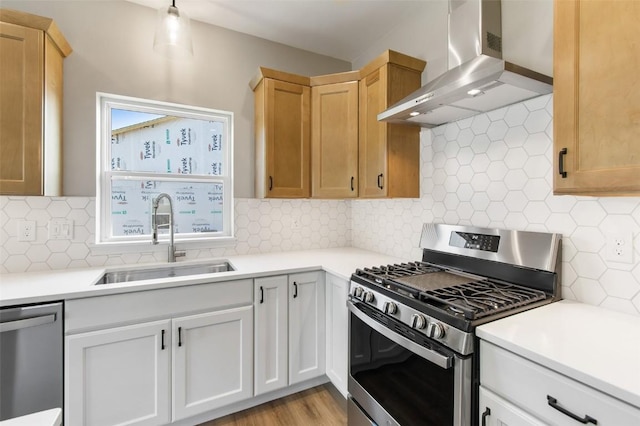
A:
x,y
489,170
495,170
261,226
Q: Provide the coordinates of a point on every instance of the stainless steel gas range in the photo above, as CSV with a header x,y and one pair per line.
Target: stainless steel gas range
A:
x,y
413,357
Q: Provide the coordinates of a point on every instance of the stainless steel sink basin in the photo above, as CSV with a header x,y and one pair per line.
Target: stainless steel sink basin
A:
x,y
163,272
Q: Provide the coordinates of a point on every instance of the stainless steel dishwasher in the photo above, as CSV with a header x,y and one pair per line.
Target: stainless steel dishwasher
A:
x,y
31,359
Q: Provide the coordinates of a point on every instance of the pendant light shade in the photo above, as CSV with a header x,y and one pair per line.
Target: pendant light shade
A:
x,y
173,33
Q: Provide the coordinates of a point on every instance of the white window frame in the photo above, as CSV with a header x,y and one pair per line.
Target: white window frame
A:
x,y
105,103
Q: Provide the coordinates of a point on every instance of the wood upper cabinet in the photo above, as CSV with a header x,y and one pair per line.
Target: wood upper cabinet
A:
x,y
389,154
282,134
32,50
596,97
334,135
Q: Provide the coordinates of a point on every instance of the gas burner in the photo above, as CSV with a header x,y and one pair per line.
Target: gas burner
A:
x,y
479,299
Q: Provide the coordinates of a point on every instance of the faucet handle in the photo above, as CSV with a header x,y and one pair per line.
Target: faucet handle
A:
x,y
154,237
180,253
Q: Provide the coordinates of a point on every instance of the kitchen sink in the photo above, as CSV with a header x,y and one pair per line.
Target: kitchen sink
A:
x,y
163,272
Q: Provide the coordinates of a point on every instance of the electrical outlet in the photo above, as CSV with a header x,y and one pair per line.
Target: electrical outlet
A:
x,y
26,230
620,247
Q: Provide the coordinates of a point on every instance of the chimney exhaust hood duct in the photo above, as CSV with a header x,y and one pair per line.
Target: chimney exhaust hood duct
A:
x,y
483,83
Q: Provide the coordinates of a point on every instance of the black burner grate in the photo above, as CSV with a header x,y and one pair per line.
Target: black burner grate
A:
x,y
479,299
381,273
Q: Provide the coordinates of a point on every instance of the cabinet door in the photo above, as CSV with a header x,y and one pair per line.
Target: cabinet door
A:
x,y
287,139
334,140
21,110
271,319
596,92
337,329
495,411
212,360
306,326
372,138
119,376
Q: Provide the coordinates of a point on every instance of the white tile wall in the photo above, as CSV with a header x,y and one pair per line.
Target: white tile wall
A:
x,y
495,170
261,226
490,170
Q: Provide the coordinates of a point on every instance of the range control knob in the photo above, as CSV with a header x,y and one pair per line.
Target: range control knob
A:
x,y
356,292
418,321
389,308
368,296
435,330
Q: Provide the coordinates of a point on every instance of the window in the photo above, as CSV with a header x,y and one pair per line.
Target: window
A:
x,y
146,148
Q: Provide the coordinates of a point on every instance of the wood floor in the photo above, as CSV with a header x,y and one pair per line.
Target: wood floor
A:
x,y
315,406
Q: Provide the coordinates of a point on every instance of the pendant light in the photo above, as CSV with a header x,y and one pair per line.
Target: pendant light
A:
x,y
173,33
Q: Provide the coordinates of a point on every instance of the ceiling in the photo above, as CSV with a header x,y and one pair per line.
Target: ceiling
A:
x,y
341,29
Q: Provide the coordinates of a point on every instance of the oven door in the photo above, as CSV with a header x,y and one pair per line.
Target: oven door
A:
x,y
399,377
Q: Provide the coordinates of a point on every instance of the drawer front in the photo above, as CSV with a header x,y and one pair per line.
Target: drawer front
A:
x,y
529,386
126,308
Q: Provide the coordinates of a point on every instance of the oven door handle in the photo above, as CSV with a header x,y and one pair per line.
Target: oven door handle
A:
x,y
440,360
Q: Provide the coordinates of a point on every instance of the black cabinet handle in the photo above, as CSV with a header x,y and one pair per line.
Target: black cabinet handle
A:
x,y
381,181
162,341
295,289
270,183
487,413
179,336
561,156
584,420
352,179
261,294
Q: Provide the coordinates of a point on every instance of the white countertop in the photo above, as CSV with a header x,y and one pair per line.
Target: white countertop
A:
x,y
596,346
36,287
51,417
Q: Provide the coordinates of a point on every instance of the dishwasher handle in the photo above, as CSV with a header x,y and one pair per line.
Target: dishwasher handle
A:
x,y
27,322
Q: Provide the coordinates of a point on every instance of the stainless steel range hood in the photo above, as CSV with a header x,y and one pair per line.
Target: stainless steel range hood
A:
x,y
480,80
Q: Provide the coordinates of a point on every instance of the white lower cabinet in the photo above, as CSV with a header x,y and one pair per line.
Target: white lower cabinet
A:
x,y
495,411
120,376
271,334
337,329
289,330
212,360
546,395
306,326
158,372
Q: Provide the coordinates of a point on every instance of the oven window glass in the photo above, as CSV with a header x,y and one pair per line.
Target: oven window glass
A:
x,y
411,389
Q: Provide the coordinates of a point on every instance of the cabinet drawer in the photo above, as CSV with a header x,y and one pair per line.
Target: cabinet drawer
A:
x,y
125,308
528,385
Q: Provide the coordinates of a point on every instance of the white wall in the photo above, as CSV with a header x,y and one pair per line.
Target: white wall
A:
x,y
113,53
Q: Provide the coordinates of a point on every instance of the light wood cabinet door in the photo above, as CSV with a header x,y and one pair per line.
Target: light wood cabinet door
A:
x,y
271,334
337,329
373,143
283,139
596,92
22,68
119,376
32,50
212,360
389,154
334,140
306,326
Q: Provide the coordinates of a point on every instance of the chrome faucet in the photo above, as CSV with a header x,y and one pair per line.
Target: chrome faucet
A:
x,y
172,249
